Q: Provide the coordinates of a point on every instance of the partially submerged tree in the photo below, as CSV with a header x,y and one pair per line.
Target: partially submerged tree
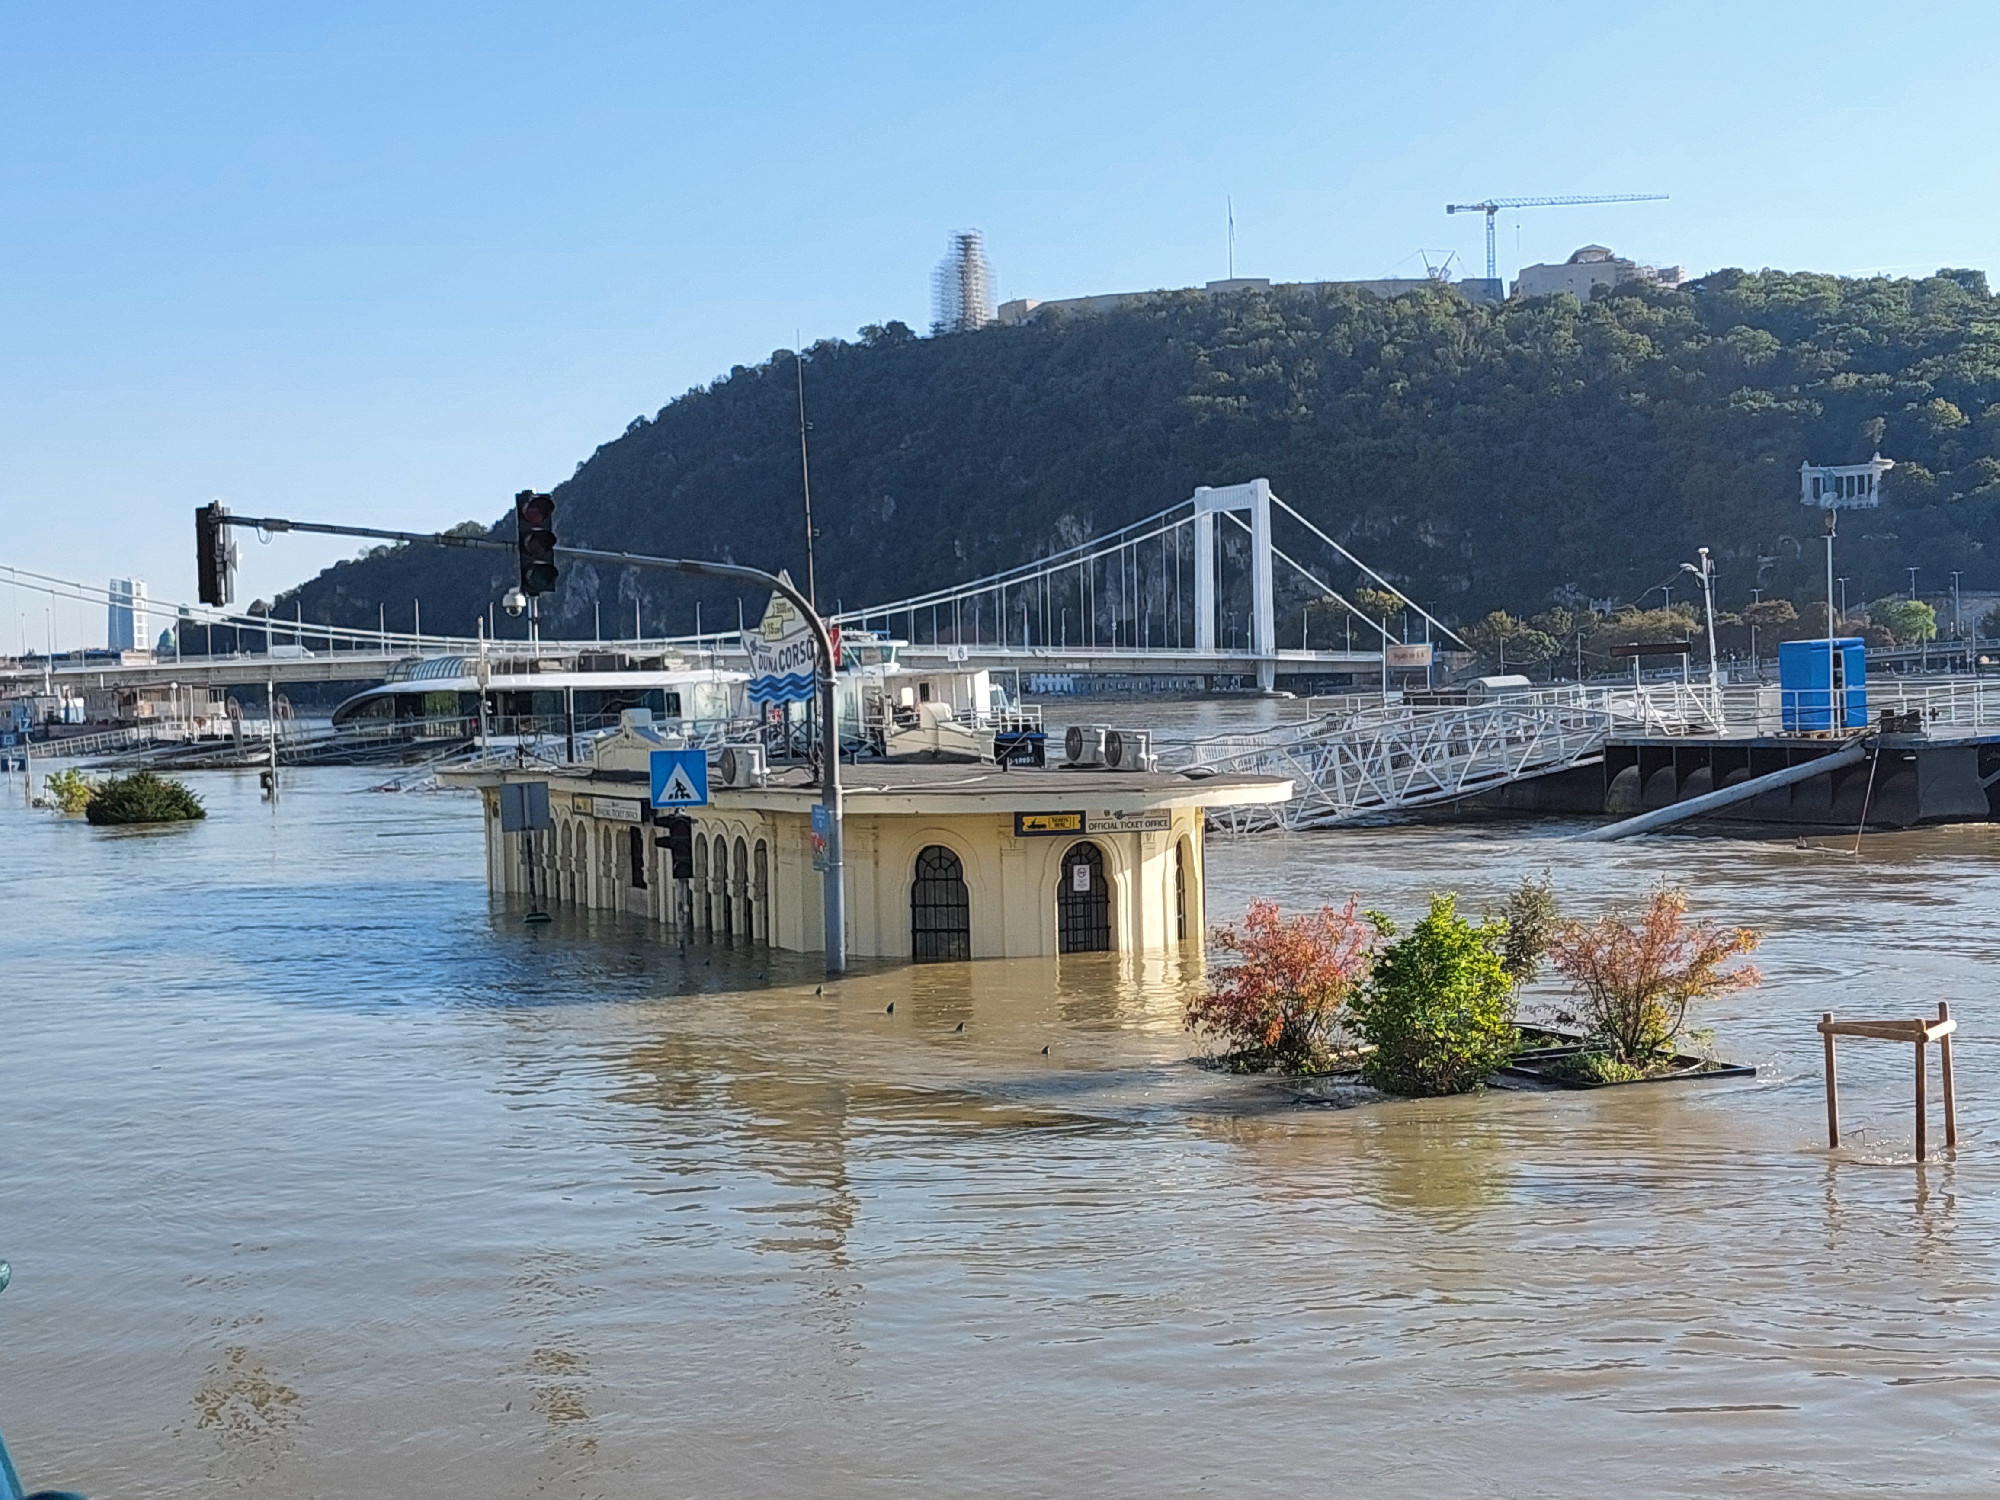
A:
x,y
1639,977
1439,1007
1531,916
1279,1004
67,791
142,797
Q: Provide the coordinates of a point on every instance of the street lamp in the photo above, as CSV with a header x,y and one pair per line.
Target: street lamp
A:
x,y
1913,582
1706,573
1957,625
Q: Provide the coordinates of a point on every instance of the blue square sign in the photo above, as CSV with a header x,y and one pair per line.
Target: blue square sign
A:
x,y
680,778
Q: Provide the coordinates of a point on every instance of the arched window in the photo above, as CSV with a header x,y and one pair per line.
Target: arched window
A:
x,y
940,908
635,840
1182,874
1083,902
719,883
703,918
761,891
740,889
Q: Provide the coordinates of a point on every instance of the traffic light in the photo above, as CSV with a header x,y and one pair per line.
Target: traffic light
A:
x,y
214,555
535,541
678,841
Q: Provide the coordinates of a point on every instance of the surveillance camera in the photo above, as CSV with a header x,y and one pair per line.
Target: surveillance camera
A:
x,y
514,601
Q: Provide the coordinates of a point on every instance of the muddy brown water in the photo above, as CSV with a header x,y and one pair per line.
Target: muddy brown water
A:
x,y
322,1178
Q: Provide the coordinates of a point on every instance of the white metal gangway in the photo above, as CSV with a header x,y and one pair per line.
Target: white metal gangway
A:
x,y
1358,759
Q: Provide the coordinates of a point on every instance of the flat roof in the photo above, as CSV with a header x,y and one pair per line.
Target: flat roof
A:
x,y
933,787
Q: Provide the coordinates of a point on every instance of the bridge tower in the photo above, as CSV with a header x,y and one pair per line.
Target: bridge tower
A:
x,y
1254,497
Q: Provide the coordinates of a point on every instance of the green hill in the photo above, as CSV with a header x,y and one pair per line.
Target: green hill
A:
x,y
1482,457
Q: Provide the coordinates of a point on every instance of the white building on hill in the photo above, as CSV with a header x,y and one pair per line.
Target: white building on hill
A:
x,y
1591,267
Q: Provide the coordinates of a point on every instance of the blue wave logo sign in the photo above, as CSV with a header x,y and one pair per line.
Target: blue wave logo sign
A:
x,y
794,687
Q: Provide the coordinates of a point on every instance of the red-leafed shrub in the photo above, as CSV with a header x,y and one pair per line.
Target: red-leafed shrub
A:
x,y
1279,1004
1638,977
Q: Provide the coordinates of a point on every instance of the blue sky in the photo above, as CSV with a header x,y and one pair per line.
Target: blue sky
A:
x,y
391,263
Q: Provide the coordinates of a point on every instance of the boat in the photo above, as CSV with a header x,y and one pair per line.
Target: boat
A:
x,y
503,699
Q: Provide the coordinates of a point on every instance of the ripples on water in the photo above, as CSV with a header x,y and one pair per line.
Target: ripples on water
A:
x,y
319,1178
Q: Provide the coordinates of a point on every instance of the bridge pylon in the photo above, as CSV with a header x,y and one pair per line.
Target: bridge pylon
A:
x,y
1255,497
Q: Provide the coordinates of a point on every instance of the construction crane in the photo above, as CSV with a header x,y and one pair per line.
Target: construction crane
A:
x,y
1493,206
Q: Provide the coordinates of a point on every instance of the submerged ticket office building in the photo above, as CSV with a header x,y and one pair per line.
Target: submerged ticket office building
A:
x,y
944,860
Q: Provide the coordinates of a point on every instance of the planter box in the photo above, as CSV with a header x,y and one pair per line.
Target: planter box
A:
x,y
1532,1064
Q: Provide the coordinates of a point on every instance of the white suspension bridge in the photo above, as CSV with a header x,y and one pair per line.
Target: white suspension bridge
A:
x,y
1191,590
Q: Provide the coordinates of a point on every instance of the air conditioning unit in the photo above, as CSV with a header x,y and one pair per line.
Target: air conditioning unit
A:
x,y
1129,750
1083,745
742,765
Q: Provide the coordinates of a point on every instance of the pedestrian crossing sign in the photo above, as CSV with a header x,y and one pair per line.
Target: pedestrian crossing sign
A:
x,y
680,778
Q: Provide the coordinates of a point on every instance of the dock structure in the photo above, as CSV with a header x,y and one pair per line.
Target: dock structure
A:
x,y
944,860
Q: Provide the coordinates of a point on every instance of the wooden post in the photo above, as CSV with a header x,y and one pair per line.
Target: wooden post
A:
x,y
1832,1089
1920,1100
1944,1069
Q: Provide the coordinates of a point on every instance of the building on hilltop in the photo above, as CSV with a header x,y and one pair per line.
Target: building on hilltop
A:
x,y
962,286
1590,267
1027,309
126,626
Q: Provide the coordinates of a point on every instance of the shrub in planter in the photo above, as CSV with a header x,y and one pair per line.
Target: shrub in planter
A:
x,y
1439,1007
1279,1005
142,797
1639,977
68,792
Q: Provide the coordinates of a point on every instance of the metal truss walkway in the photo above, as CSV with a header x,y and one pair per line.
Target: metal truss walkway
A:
x,y
1349,765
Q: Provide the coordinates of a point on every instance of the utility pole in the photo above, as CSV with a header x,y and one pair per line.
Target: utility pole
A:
x,y
805,471
1834,718
1957,625
1913,583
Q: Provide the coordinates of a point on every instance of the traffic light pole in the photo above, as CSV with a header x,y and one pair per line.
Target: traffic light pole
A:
x,y
835,875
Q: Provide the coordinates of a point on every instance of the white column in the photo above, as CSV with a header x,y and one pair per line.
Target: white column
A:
x,y
1204,574
1263,624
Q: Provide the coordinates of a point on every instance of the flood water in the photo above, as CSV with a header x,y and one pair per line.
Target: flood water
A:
x,y
322,1178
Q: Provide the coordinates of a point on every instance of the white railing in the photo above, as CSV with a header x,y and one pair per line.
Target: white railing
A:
x,y
1386,760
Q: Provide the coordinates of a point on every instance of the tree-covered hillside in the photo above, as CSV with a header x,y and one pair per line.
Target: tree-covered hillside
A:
x,y
1481,457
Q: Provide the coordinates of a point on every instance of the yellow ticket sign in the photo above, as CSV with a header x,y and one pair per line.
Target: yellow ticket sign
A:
x,y
1029,825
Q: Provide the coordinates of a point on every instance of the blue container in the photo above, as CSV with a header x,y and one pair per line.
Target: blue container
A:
x,y
1823,689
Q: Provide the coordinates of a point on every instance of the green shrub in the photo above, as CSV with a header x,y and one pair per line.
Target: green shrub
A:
x,y
142,797
1595,1067
68,792
1531,916
1439,1008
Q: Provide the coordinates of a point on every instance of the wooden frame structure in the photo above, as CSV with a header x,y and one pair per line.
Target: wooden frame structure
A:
x,y
1919,1033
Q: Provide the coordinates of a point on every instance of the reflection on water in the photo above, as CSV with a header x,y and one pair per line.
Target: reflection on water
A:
x,y
320,1177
